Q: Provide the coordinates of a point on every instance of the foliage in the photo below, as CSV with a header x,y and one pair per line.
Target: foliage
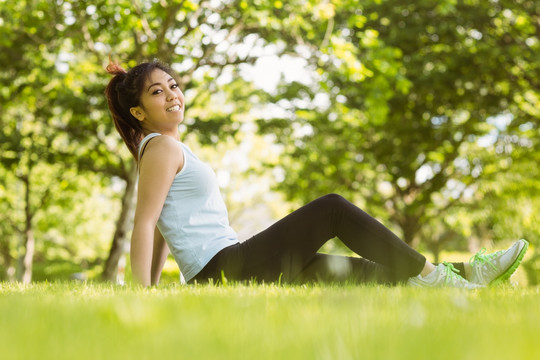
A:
x,y
425,114
43,120
417,108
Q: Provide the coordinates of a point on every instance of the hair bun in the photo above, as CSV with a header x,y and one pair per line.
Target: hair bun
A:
x,y
114,68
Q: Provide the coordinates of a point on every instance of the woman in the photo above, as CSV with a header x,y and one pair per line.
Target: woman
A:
x,y
179,207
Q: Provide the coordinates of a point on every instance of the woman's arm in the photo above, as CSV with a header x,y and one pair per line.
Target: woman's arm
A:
x,y
161,251
162,159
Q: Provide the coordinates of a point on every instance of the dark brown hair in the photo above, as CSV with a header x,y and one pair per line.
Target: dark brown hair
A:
x,y
123,92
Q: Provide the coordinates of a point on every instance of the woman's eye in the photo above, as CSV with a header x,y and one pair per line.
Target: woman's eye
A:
x,y
156,92
174,86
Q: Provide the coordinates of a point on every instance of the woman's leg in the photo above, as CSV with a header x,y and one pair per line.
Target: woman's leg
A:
x,y
289,247
324,268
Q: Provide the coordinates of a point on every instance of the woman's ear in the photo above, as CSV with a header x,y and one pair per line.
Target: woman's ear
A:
x,y
137,112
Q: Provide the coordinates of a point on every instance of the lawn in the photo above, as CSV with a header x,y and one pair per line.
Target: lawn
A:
x,y
71,320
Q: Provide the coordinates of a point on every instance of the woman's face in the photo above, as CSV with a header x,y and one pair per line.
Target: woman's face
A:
x,y
161,103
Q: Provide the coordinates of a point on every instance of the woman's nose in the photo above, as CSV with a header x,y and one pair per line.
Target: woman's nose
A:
x,y
171,95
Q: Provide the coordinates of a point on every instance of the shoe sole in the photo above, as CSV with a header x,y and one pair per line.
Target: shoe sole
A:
x,y
506,275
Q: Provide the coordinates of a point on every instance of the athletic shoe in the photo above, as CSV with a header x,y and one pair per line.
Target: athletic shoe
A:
x,y
496,268
444,275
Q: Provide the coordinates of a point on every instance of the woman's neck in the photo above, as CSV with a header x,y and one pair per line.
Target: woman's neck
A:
x,y
171,132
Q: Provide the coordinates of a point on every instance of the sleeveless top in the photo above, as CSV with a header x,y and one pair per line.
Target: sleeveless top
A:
x,y
194,220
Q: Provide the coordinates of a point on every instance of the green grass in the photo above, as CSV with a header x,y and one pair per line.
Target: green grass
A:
x,y
95,321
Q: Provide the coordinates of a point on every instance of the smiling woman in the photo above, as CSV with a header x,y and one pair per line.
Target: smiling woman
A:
x,y
179,207
161,105
136,99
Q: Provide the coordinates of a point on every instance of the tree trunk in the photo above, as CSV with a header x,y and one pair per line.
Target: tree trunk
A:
x,y
410,226
436,254
531,267
27,258
9,273
120,242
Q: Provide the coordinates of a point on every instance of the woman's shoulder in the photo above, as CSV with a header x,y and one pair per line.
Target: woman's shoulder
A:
x,y
162,142
165,139
161,145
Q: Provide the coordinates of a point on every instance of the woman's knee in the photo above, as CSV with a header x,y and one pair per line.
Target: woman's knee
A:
x,y
333,200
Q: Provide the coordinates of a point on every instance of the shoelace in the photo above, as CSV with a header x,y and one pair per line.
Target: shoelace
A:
x,y
451,273
480,259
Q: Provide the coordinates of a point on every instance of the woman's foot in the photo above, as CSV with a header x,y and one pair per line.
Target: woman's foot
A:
x,y
444,275
496,268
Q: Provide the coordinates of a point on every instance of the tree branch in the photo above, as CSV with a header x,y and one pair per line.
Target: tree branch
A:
x,y
144,22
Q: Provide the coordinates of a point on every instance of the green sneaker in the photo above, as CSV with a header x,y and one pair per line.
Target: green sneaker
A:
x,y
496,268
444,275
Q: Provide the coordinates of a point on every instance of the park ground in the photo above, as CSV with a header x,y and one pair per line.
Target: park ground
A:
x,y
85,320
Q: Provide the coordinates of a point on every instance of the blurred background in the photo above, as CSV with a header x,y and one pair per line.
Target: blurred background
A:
x,y
424,114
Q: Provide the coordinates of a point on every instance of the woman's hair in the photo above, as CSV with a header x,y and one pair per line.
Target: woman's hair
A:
x,y
124,92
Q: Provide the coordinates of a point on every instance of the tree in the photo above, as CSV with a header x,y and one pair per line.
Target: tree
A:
x,y
402,102
201,39
25,136
39,102
400,109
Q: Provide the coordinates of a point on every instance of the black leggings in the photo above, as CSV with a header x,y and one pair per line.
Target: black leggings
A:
x,y
287,250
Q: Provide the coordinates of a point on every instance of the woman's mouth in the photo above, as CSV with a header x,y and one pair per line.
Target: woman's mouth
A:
x,y
173,108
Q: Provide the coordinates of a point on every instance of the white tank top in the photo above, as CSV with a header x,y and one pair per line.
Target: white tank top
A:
x,y
194,220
